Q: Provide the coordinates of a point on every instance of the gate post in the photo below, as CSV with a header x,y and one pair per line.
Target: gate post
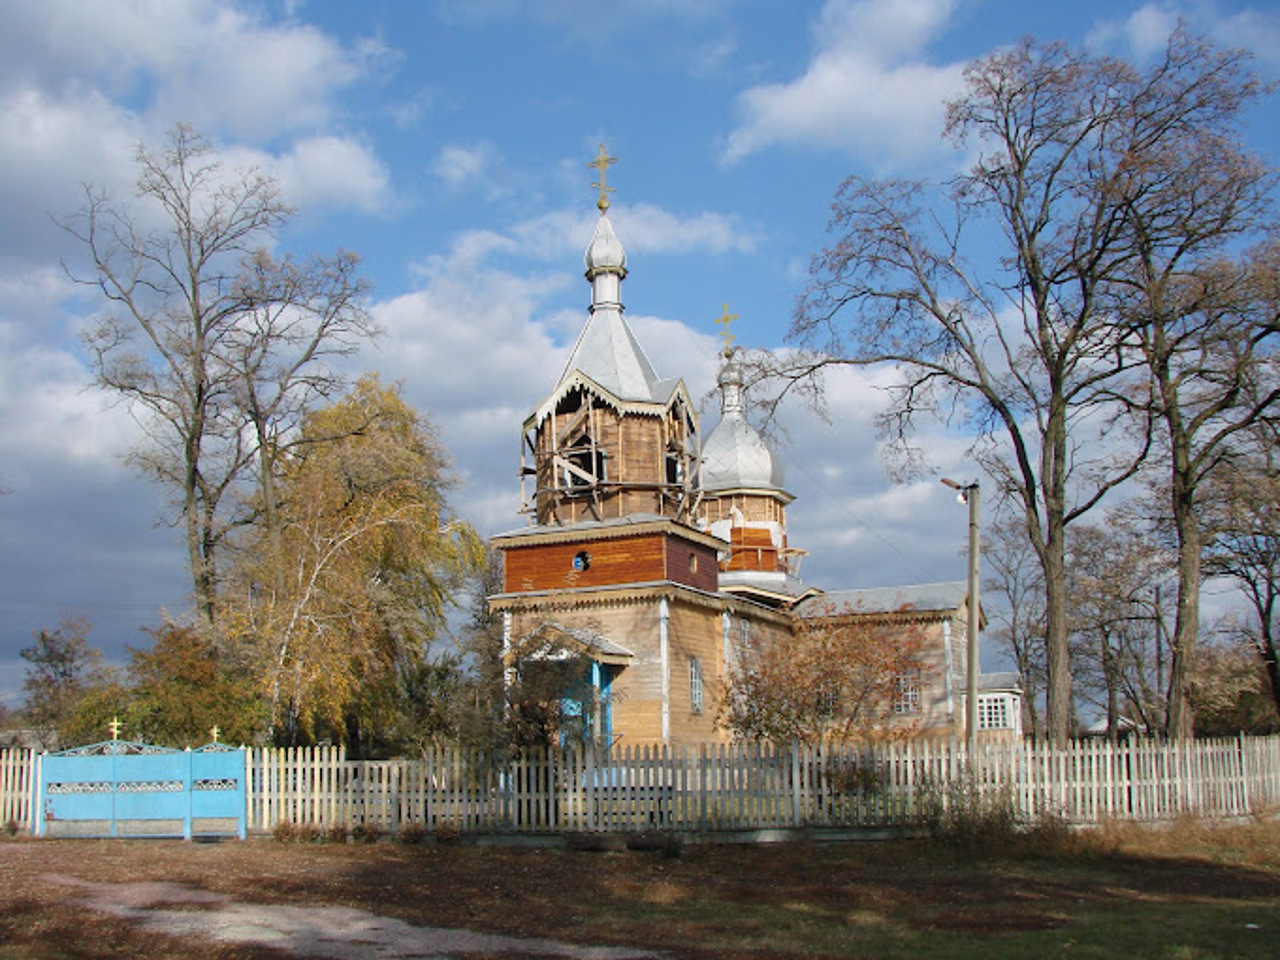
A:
x,y
190,789
37,796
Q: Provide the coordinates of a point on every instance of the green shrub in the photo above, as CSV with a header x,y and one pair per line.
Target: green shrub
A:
x,y
367,832
338,833
285,832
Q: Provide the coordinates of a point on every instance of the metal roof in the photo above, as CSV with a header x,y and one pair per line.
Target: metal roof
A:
x,y
734,454
600,646
608,352
735,457
943,597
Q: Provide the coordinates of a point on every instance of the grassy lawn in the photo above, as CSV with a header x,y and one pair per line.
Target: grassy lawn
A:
x,y
1188,891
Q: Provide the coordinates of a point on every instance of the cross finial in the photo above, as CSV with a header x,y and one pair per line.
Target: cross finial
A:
x,y
728,337
214,733
114,726
602,162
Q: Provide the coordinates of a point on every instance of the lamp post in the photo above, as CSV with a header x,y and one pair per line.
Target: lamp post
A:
x,y
968,494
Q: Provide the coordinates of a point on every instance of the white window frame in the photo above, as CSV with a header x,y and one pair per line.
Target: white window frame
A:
x,y
906,701
995,711
695,685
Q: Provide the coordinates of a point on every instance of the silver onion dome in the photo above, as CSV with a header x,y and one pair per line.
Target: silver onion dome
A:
x,y
735,455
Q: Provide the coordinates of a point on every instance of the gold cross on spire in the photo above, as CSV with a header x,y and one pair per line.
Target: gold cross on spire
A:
x,y
602,162
725,320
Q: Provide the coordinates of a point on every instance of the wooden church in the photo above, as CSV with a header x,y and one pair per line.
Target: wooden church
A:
x,y
656,554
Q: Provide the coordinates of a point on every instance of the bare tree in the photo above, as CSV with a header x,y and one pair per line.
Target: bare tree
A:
x,y
1204,326
1117,620
1245,548
1017,622
843,675
1020,351
201,320
298,316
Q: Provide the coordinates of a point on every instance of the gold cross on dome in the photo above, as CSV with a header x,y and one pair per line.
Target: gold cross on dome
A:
x,y
725,320
114,726
602,162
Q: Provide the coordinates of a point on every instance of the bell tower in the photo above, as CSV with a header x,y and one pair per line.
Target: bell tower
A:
x,y
613,439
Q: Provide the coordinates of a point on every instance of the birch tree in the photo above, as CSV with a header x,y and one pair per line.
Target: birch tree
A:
x,y
368,560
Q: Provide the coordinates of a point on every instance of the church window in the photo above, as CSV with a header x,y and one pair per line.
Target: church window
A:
x,y
693,563
675,469
588,459
695,685
907,693
828,700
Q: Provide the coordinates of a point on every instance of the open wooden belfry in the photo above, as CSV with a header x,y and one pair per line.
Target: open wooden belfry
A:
x,y
654,553
613,439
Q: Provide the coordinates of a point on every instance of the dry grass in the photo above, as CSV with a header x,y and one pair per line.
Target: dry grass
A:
x,y
1192,890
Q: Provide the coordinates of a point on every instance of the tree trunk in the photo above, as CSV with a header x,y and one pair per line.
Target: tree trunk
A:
x,y
1181,722
1057,655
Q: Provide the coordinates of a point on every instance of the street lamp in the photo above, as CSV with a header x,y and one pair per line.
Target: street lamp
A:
x,y
968,493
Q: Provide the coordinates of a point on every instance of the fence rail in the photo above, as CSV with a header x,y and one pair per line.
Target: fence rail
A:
x,y
734,787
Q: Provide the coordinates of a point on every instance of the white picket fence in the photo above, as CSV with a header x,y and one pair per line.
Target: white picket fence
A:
x,y
740,787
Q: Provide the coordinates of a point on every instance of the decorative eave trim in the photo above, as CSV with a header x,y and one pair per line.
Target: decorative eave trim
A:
x,y
785,600
576,379
774,493
621,594
883,616
606,530
556,634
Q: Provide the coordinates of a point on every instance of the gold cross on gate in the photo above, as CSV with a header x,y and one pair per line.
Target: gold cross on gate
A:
x,y
114,726
214,733
602,162
725,320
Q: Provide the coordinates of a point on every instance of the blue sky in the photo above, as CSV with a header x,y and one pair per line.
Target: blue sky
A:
x,y
447,142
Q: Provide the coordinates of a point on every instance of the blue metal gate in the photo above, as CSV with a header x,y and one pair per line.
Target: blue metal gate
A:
x,y
123,789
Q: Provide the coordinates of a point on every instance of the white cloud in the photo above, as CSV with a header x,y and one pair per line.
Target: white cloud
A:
x,y
50,415
217,65
255,82
328,171
643,228
1143,34
867,90
583,17
1256,30
477,166
49,145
